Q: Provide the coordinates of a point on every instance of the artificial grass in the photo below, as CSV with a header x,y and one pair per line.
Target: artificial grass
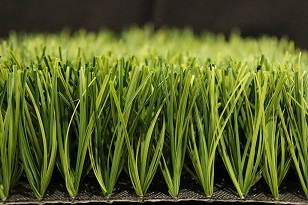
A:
x,y
146,101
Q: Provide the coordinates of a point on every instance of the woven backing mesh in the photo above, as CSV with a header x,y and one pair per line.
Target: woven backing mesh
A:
x,y
290,192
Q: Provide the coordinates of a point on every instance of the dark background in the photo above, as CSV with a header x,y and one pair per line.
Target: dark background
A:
x,y
253,18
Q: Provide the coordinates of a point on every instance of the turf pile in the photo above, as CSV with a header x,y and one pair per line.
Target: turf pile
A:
x,y
146,103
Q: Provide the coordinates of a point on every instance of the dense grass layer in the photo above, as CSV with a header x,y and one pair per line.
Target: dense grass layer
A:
x,y
145,102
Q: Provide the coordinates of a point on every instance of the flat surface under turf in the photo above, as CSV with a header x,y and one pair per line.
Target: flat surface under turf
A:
x,y
190,191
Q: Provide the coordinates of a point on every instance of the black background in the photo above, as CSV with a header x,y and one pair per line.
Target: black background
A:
x,y
252,17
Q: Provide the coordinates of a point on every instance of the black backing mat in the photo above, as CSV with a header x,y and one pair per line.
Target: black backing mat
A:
x,y
290,192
